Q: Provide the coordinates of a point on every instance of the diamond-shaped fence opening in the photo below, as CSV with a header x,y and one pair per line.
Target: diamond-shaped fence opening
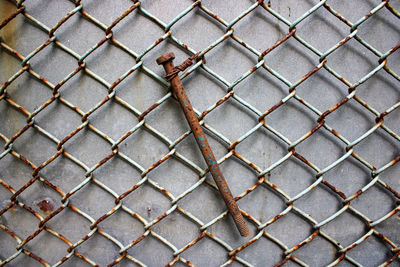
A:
x,y
298,99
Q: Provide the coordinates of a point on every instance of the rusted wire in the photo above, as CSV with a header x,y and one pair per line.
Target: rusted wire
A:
x,y
232,253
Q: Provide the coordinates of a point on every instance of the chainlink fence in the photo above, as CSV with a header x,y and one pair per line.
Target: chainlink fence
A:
x,y
299,100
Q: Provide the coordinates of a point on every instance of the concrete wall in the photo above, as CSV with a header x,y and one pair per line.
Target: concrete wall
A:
x,y
223,125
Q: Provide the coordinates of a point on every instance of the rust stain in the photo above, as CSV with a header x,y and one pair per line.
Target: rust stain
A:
x,y
46,206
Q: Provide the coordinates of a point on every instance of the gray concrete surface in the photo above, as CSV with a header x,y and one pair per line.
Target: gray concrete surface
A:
x,y
230,60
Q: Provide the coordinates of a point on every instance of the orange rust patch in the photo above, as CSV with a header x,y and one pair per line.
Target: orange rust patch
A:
x,y
45,206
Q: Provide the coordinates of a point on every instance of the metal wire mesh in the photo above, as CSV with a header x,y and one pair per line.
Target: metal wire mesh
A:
x,y
15,197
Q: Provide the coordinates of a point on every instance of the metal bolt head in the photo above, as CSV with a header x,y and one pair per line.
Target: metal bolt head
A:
x,y
165,58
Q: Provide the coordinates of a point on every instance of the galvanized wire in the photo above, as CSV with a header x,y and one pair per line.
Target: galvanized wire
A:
x,y
261,120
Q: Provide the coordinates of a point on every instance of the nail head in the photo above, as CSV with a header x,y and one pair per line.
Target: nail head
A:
x,y
165,57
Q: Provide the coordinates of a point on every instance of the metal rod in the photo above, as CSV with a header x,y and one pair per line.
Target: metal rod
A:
x,y
166,61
